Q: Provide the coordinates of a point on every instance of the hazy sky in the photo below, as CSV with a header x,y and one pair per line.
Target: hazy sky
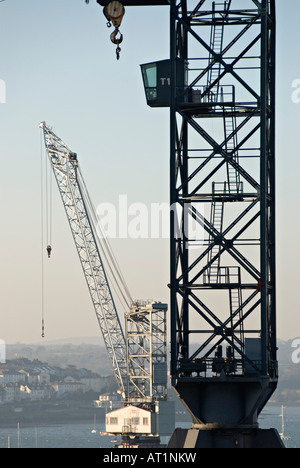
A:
x,y
59,65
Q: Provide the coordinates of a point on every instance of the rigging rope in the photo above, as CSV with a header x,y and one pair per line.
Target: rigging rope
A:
x,y
119,283
42,244
48,196
46,222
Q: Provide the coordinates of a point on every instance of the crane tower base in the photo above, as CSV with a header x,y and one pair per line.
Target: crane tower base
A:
x,y
225,438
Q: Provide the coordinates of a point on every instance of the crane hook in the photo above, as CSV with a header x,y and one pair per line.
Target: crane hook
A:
x,y
114,12
117,40
49,250
114,39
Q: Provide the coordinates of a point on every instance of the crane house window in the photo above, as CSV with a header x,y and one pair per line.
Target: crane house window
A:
x,y
113,421
150,81
145,421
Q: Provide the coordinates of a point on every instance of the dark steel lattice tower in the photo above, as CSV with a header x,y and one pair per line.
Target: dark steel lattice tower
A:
x,y
221,78
223,178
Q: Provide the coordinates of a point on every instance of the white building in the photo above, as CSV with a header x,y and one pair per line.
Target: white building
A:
x,y
134,420
129,419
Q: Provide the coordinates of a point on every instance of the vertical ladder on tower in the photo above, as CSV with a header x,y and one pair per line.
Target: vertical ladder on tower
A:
x,y
216,220
236,306
233,176
217,206
216,92
216,44
233,184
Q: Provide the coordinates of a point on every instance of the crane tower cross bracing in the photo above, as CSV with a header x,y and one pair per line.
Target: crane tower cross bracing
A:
x,y
222,156
221,96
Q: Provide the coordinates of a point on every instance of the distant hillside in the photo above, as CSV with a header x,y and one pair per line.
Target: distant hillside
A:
x,y
82,355
88,353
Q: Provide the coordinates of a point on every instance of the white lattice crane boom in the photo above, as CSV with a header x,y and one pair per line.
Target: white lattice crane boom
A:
x,y
73,193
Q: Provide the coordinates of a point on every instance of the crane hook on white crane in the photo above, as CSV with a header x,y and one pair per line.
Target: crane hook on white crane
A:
x,y
43,329
114,13
49,250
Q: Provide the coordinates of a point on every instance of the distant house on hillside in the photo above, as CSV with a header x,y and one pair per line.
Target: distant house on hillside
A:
x,y
44,377
11,393
68,385
93,383
7,377
35,392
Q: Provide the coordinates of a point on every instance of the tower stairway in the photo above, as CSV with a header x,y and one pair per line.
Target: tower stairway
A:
x,y
233,176
233,275
216,221
216,44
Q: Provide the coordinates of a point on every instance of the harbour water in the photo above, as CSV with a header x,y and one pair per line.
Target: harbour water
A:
x,y
82,435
